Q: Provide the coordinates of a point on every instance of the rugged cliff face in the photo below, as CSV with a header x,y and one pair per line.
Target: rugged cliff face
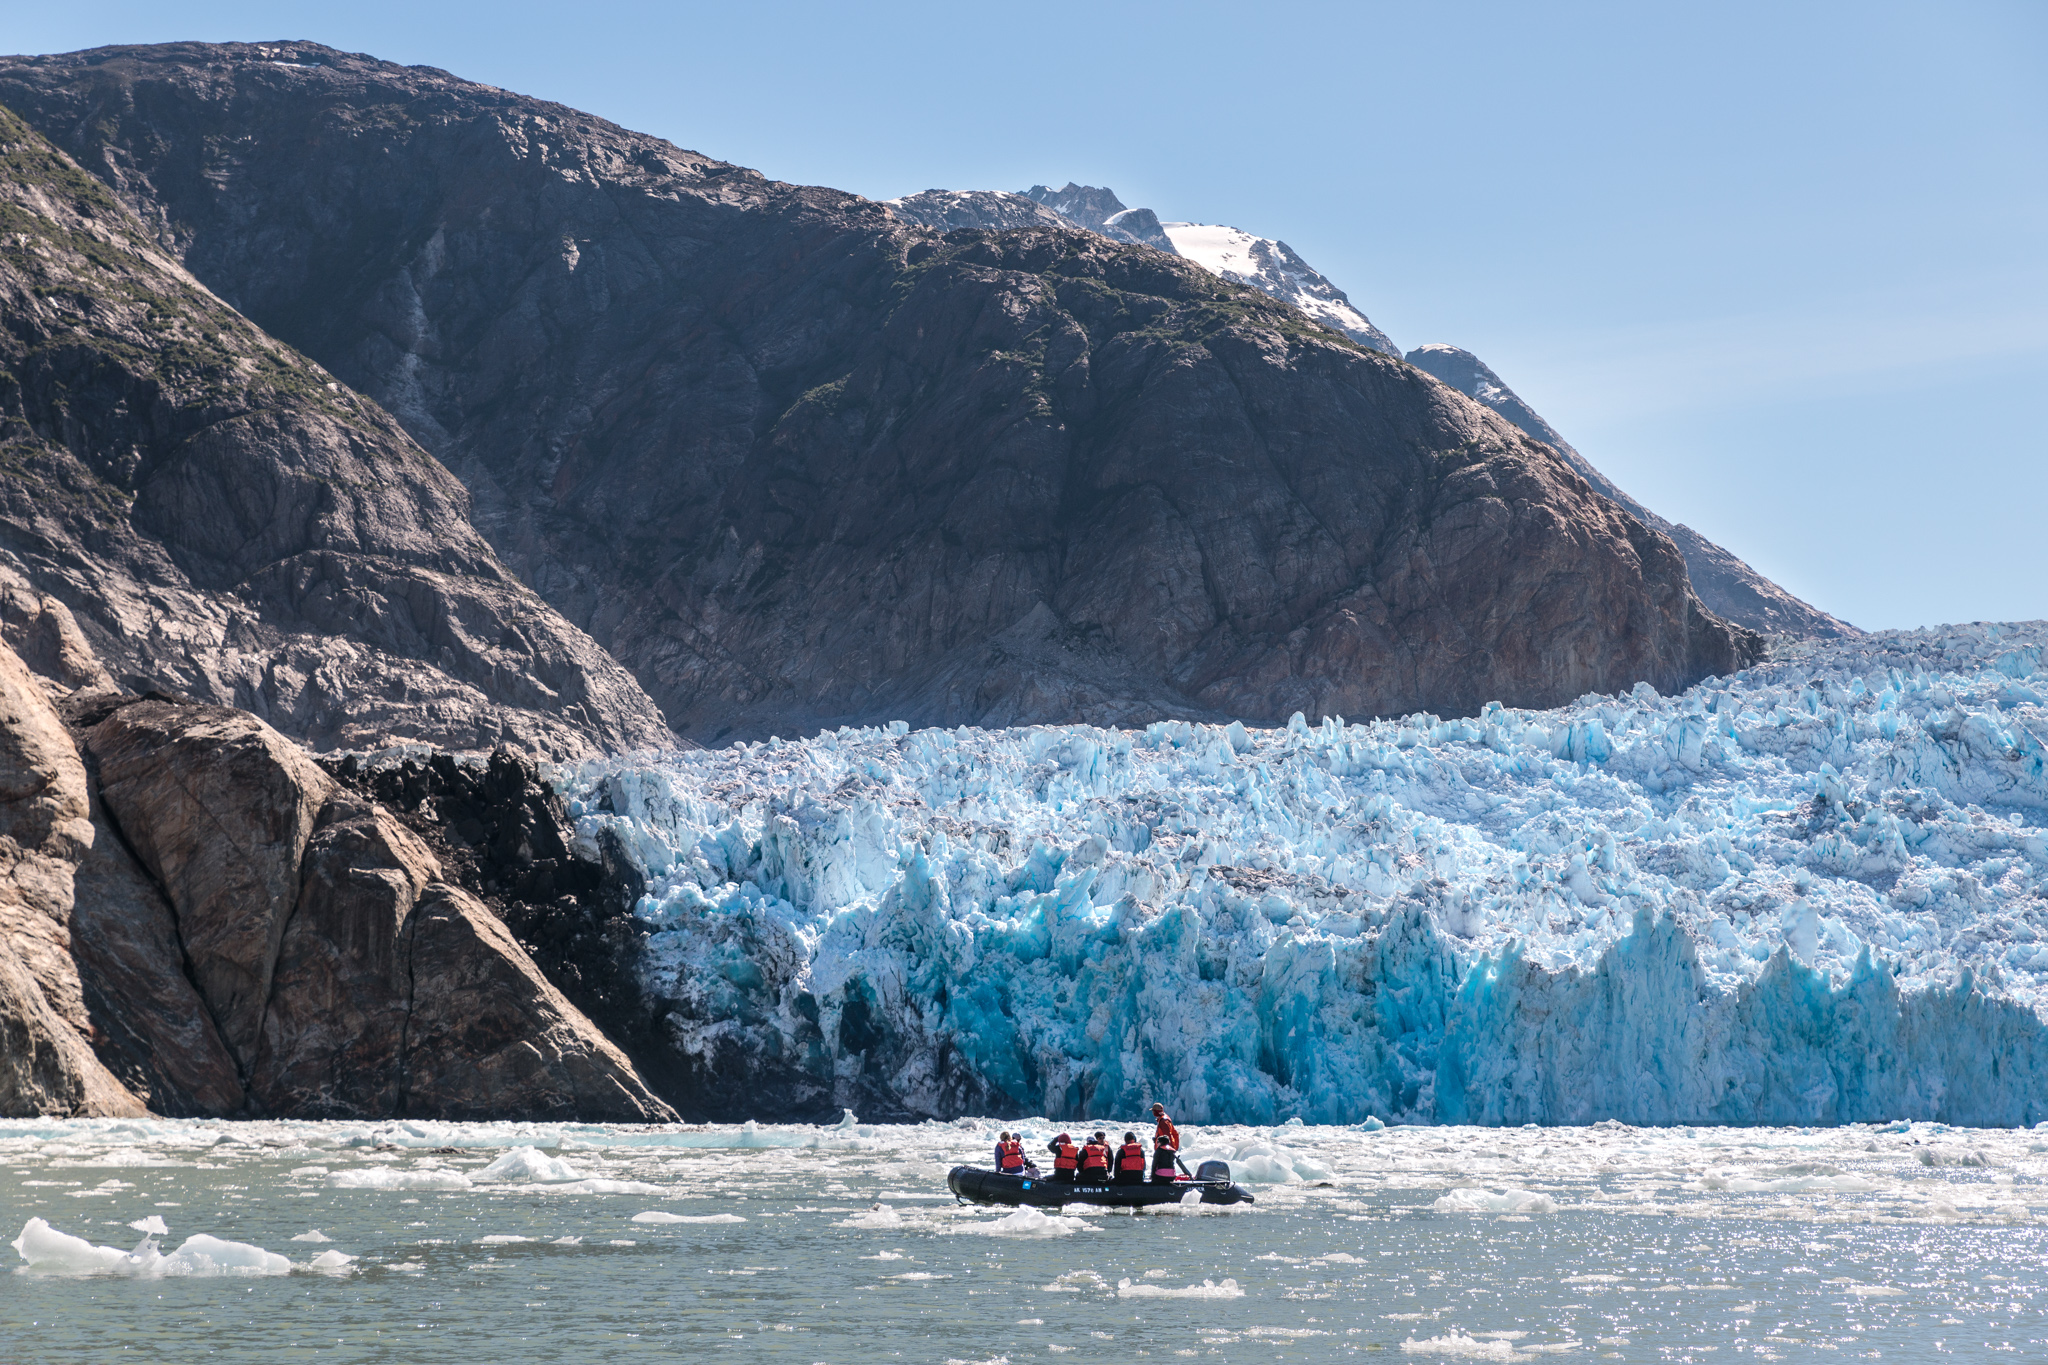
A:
x,y
226,520
1730,588
195,919
795,462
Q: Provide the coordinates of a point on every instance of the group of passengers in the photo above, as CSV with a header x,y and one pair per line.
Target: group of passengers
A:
x,y
1095,1161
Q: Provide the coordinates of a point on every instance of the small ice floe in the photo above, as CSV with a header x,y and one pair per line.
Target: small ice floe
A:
x,y
878,1216
332,1263
1025,1222
48,1251
664,1216
592,1186
1456,1343
529,1163
312,1235
384,1178
1473,1200
1207,1289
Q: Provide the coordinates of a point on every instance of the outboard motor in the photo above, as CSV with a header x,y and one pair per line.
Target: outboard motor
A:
x,y
1213,1170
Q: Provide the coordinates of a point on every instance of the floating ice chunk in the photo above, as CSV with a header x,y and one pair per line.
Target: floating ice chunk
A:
x,y
332,1263
384,1178
498,1239
529,1163
48,1251
1939,1154
1456,1343
594,1186
153,1224
1475,1200
880,1216
664,1216
313,1235
1025,1222
1207,1289
1371,1125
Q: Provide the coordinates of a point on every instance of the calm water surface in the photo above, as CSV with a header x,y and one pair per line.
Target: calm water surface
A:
x,y
593,1244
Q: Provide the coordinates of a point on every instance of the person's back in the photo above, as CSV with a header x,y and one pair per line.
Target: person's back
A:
x,y
1163,1126
1066,1159
1095,1159
1130,1161
1165,1160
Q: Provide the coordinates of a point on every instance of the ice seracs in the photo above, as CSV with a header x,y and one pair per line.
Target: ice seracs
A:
x,y
1813,892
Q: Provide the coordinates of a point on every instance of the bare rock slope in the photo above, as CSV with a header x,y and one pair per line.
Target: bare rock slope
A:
x,y
223,518
1729,587
793,461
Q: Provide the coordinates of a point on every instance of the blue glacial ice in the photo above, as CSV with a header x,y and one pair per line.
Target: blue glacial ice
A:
x,y
1813,892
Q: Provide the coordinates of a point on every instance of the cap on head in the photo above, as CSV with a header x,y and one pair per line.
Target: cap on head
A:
x,y
1158,1108
1130,1137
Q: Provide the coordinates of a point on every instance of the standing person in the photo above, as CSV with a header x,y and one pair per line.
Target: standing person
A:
x,y
1165,1161
1130,1161
1163,1126
1066,1159
1095,1158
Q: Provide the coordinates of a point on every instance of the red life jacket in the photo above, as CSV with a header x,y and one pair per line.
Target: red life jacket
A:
x,y
1012,1156
1067,1157
1165,1129
1130,1157
1095,1157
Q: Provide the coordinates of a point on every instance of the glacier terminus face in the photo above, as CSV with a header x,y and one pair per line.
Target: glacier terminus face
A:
x,y
1814,892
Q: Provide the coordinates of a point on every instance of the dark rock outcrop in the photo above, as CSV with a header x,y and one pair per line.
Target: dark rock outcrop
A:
x,y
347,978
794,462
224,519
47,1061
1097,208
1730,588
502,835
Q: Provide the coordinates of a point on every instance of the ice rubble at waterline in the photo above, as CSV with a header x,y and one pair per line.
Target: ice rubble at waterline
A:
x,y
1812,892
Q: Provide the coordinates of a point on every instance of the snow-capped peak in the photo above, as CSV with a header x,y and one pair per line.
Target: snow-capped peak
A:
x,y
1273,267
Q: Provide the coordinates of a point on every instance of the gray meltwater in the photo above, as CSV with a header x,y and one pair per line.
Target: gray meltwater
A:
x,y
504,1243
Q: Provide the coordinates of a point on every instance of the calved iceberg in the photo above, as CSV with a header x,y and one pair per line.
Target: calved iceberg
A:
x,y
1813,892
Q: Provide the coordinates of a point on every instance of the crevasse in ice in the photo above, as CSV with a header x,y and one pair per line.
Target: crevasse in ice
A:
x,y
1812,892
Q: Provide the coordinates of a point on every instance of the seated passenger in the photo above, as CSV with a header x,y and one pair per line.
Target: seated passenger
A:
x,y
1010,1155
1130,1161
1095,1159
1066,1159
1165,1160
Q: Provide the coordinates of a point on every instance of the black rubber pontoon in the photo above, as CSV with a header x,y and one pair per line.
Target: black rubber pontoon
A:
x,y
979,1186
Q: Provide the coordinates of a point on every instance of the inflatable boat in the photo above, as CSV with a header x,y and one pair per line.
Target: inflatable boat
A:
x,y
979,1186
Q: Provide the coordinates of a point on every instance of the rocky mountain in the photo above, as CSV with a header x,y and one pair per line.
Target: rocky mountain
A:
x,y
1729,587
1273,267
1099,210
792,460
985,210
229,522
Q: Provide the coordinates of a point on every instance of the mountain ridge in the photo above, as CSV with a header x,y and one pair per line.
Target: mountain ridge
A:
x,y
793,462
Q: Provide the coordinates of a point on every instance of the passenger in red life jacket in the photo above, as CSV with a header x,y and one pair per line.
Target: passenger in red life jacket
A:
x,y
1066,1159
1130,1161
1165,1160
1010,1155
1095,1158
1163,1126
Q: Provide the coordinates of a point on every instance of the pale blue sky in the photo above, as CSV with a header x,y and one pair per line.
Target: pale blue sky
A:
x,y
1777,269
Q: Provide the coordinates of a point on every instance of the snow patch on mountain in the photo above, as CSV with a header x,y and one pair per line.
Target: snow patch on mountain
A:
x,y
1813,892
1272,267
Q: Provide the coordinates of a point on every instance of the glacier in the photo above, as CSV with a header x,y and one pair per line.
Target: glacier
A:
x,y
1815,892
